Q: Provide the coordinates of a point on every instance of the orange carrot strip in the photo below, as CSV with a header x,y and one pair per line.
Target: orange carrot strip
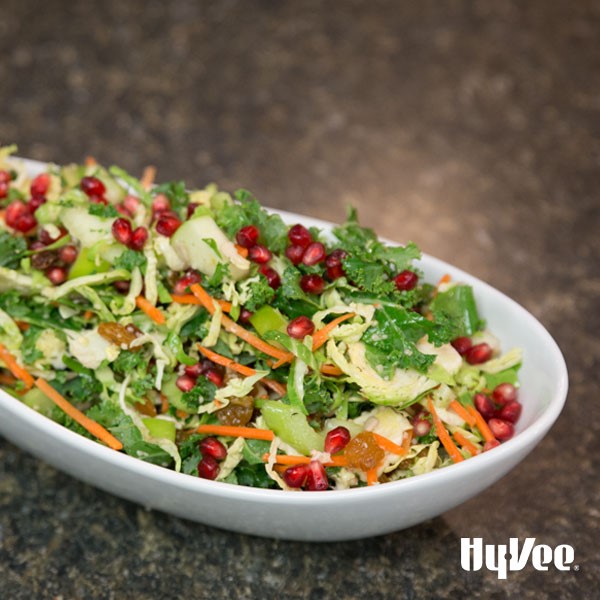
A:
x,y
486,432
462,412
164,404
320,336
289,459
465,443
233,327
191,299
154,313
243,252
87,315
278,388
94,428
6,379
444,436
181,414
444,279
388,445
407,440
148,177
226,362
22,325
331,370
15,368
372,476
90,161
232,431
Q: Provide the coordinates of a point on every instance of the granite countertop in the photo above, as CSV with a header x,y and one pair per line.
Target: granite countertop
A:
x,y
471,128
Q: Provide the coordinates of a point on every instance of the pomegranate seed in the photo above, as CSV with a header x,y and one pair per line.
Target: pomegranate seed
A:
x,y
462,345
259,254
421,427
185,383
138,238
18,216
123,211
335,272
131,204
490,444
168,223
296,476
194,370
191,209
484,405
406,280
316,480
121,230
3,189
92,186
314,254
35,203
478,354
502,430
47,238
191,277
4,176
56,275
272,276
215,377
68,254
160,204
39,185
312,284
511,412
247,236
335,258
300,327
336,440
211,446
300,236
98,200
245,315
37,245
294,253
208,468
504,393
122,286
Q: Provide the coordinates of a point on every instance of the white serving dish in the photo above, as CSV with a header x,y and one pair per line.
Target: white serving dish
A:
x,y
319,516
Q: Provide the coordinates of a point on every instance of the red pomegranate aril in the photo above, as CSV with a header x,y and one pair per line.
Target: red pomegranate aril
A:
x,y
490,444
245,315
160,204
208,468
35,203
335,258
272,276
502,430
92,186
181,287
312,284
139,236
337,439
421,427
68,254
294,253
215,377
296,476
168,223
299,235
211,446
121,230
39,185
37,245
247,236
131,204
259,254
46,237
191,209
406,280
300,327
462,345
316,480
185,383
56,275
98,200
122,286
504,393
4,176
335,272
193,370
511,412
478,354
4,185
484,405
16,211
314,254
123,211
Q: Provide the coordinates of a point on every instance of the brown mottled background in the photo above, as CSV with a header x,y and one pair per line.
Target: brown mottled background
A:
x,y
471,128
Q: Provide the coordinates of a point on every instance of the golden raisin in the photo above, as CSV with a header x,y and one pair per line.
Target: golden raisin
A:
x,y
238,412
363,452
117,333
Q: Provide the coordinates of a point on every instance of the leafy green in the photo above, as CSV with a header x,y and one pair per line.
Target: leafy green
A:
x,y
12,250
130,259
457,305
79,388
254,450
506,376
141,385
190,454
259,293
28,350
128,361
106,211
253,476
176,192
202,393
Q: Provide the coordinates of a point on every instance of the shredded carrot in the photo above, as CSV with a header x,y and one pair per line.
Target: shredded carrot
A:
x,y
148,177
6,379
388,445
462,412
407,440
232,431
226,362
320,336
279,388
15,368
289,459
181,414
87,315
444,279
372,476
465,443
243,252
331,370
90,161
94,428
22,325
233,327
444,436
154,313
191,299
164,404
486,432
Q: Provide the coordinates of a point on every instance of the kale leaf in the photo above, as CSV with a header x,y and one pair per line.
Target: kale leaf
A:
x,y
202,393
12,250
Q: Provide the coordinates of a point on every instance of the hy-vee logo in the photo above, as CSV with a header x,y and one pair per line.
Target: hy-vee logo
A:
x,y
503,558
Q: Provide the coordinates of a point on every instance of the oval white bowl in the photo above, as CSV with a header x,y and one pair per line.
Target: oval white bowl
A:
x,y
319,516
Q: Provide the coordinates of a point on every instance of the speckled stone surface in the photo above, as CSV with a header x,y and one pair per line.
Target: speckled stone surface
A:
x,y
471,128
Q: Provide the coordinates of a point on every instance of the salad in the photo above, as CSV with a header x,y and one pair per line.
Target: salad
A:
x,y
196,331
